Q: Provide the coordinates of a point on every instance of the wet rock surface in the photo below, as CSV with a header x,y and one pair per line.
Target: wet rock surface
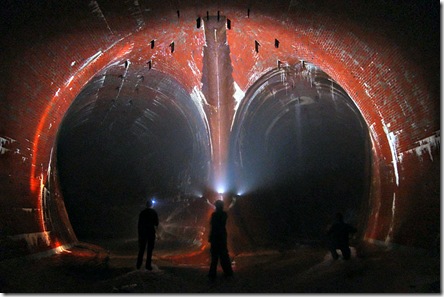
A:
x,y
87,268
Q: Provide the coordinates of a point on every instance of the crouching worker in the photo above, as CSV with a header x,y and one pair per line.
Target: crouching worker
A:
x,y
338,237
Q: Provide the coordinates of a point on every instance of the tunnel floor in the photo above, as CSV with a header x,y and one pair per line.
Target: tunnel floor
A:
x,y
87,268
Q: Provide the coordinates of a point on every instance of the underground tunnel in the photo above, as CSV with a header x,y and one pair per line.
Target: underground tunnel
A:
x,y
290,111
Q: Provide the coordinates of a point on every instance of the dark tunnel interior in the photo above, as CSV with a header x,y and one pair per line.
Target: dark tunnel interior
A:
x,y
299,153
129,136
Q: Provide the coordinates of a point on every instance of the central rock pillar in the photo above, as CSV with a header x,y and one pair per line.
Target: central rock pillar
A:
x,y
218,88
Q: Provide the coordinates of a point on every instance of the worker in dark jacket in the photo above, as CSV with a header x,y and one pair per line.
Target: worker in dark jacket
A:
x,y
148,222
339,234
218,240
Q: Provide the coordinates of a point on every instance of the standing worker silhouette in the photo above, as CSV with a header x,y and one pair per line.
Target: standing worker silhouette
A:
x,y
148,221
339,234
218,240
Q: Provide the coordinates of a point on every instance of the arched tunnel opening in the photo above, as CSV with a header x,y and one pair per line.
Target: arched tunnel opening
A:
x,y
299,154
130,136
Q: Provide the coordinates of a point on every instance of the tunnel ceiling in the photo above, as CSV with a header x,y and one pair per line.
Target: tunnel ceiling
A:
x,y
83,81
